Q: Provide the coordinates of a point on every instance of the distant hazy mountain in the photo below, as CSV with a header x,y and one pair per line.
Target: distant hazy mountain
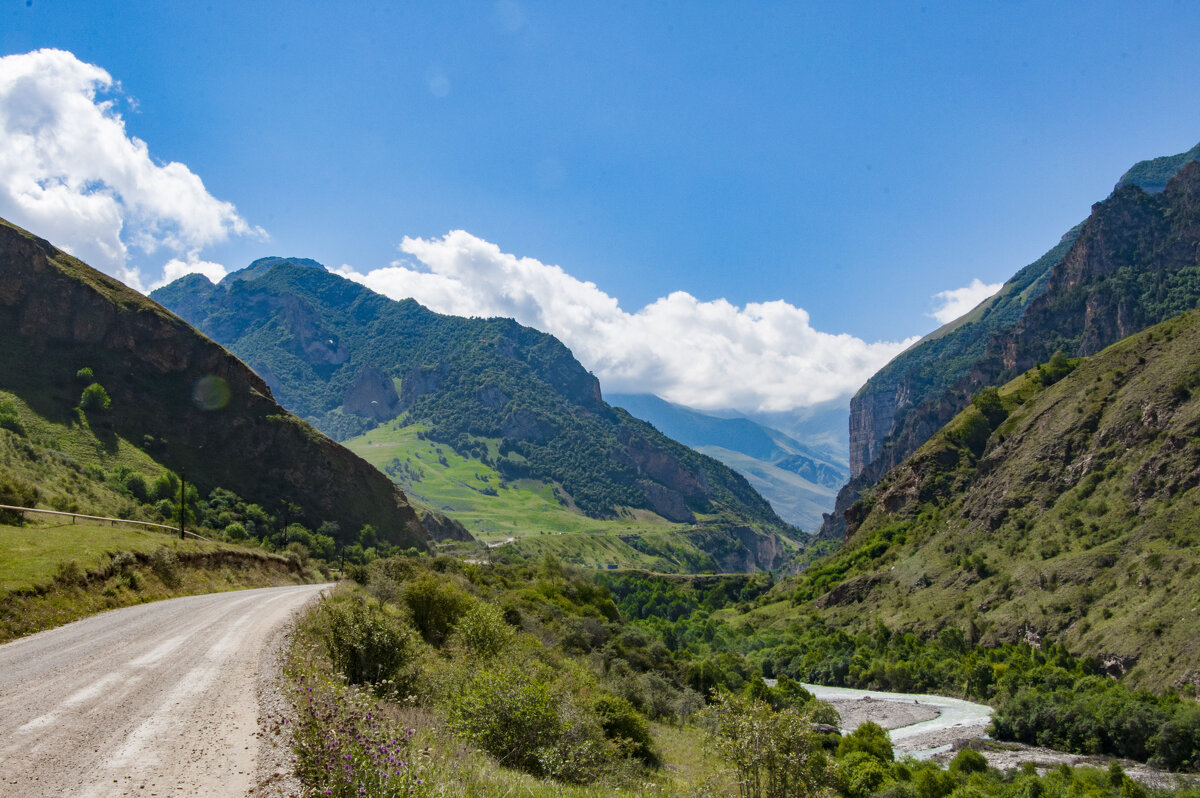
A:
x,y
799,480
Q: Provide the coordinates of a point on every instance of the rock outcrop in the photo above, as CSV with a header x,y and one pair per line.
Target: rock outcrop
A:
x,y
373,395
1118,272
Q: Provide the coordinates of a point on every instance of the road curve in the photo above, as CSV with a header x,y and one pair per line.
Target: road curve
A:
x,y
153,700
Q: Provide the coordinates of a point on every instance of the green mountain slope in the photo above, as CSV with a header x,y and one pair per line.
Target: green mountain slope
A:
x,y
921,389
799,480
177,401
1065,505
491,390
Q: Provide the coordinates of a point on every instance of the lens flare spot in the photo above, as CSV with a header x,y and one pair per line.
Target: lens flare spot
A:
x,y
211,393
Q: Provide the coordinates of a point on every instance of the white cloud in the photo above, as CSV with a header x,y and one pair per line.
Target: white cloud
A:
x,y
71,173
958,301
709,355
176,268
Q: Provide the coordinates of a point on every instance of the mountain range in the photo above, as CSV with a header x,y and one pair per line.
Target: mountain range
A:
x,y
506,396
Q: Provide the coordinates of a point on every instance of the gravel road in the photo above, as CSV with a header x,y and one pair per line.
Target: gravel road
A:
x,y
153,700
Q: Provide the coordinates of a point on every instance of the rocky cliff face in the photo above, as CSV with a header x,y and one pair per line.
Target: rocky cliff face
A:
x,y
373,395
1078,306
1070,514
58,315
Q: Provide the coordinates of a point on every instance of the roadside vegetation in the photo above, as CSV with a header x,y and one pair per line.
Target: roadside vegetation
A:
x,y
430,676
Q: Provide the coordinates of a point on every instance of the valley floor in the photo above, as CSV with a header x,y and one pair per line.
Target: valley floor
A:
x,y
936,728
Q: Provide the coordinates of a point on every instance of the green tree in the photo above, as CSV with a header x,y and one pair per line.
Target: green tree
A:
x,y
773,754
869,738
95,398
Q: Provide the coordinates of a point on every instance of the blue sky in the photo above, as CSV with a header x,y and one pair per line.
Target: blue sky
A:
x,y
851,160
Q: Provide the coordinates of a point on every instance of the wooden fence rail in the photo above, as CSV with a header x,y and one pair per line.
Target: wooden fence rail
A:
x,y
112,521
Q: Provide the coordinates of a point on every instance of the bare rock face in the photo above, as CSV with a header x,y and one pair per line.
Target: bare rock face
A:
x,y
672,490
872,417
666,502
443,527
525,425
420,381
373,395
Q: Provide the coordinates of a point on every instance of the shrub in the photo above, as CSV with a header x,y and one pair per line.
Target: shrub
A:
x,y
621,722
95,398
968,761
16,493
69,574
870,738
774,754
510,714
365,643
436,605
9,419
122,561
235,531
482,631
85,375
164,562
166,486
1177,745
135,483
300,551
862,774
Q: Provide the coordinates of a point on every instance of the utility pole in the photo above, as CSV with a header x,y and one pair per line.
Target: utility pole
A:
x,y
182,501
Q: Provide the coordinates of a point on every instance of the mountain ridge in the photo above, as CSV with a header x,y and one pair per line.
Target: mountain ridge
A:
x,y
200,410
1063,505
347,359
921,389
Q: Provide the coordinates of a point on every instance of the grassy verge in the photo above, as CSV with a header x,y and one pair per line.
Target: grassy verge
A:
x,y
51,574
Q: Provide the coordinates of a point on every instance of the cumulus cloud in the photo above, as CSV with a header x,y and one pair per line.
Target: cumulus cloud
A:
x,y
764,357
176,268
71,173
958,301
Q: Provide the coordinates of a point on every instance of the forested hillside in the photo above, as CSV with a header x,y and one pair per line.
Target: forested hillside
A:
x,y
346,359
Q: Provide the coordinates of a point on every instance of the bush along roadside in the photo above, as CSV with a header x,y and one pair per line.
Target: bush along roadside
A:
x,y
430,676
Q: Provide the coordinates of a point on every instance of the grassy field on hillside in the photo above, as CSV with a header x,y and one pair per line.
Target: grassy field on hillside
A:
x,y
478,496
525,516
